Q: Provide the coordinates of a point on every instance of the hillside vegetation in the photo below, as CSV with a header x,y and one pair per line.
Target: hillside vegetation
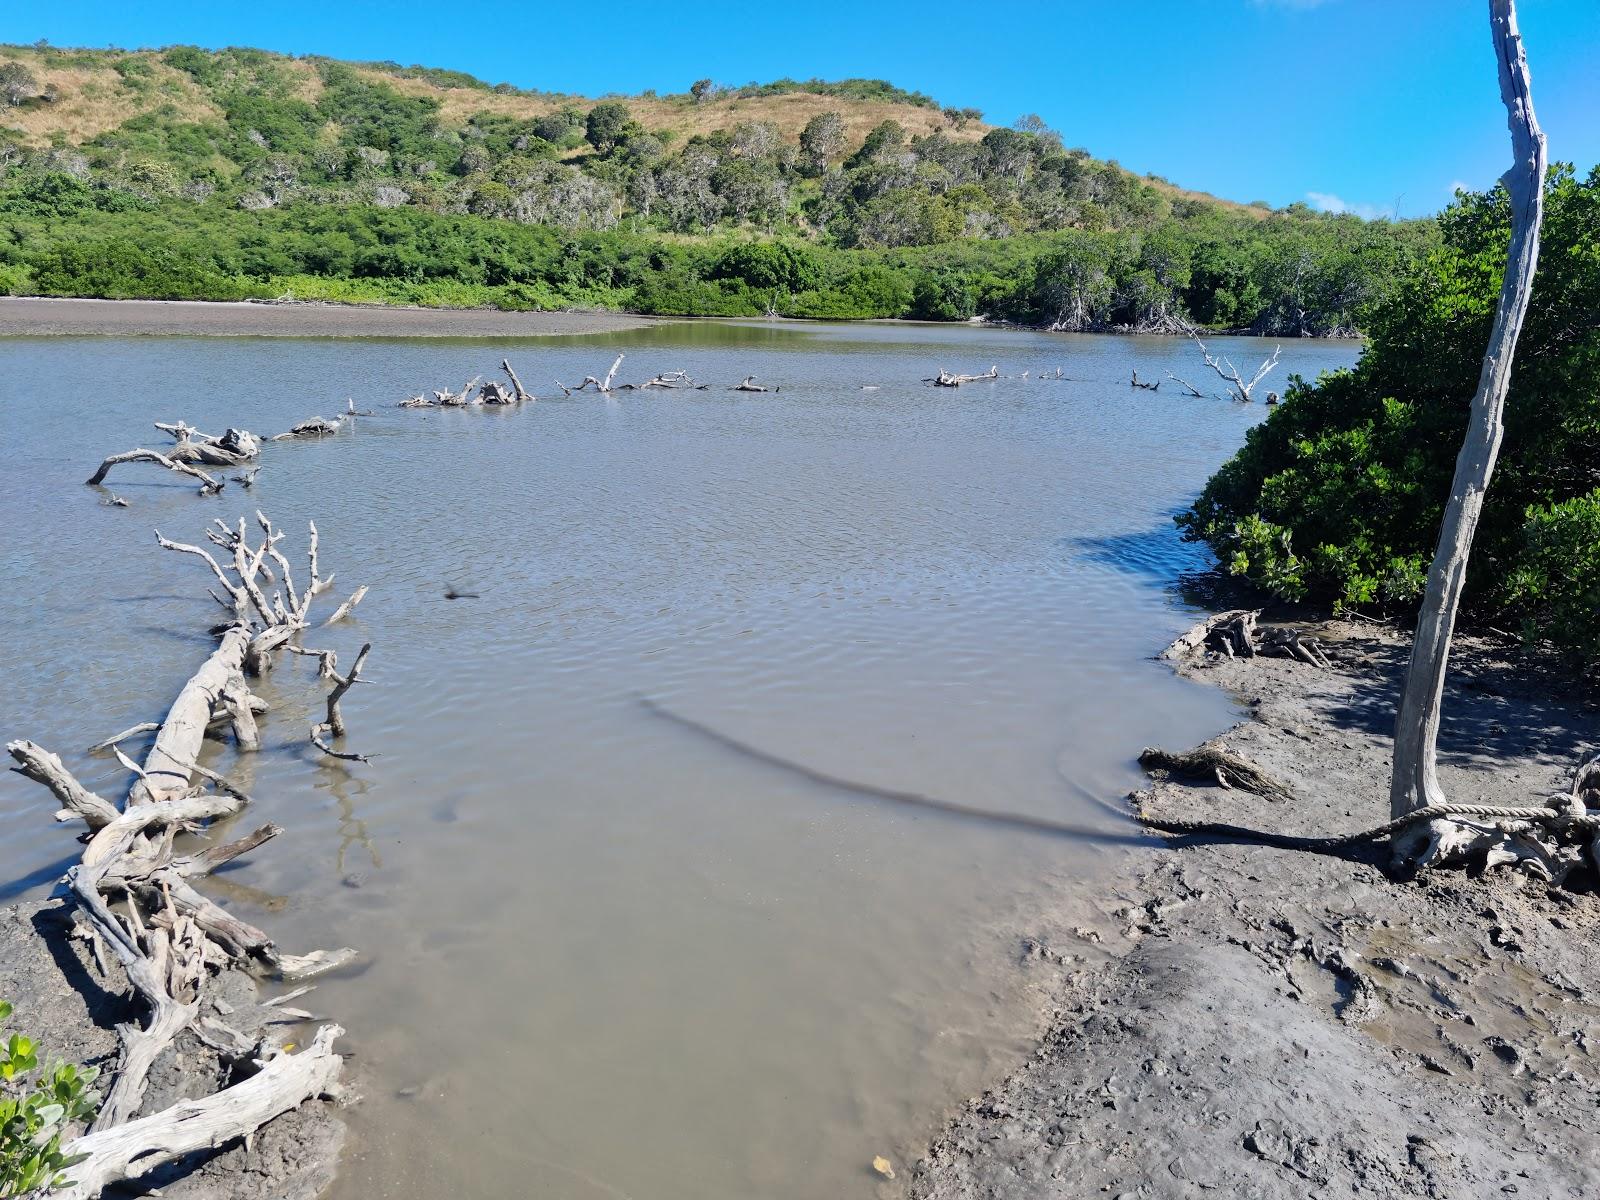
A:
x,y
189,173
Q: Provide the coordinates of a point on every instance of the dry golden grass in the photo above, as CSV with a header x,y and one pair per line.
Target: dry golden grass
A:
x,y
789,112
93,100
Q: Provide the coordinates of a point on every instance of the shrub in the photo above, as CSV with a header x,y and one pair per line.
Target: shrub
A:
x,y
1337,496
1558,581
36,1106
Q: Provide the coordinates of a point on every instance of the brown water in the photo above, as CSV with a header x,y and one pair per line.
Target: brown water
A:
x,y
606,954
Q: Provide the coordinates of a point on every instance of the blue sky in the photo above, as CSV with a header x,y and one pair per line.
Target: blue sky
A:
x,y
1359,104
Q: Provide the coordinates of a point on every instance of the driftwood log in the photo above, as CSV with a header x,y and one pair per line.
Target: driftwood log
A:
x,y
602,386
312,427
1144,385
209,486
491,393
948,379
1234,634
1215,762
749,384
136,892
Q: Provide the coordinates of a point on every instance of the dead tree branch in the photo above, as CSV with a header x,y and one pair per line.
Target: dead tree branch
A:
x,y
1238,389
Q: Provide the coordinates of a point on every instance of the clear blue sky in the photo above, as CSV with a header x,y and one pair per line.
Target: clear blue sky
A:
x,y
1351,103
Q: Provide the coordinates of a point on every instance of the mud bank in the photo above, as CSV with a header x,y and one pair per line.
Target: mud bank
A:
x,y
202,318
1281,1024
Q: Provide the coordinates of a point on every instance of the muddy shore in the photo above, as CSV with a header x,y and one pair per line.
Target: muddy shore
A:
x,y
199,318
1270,1023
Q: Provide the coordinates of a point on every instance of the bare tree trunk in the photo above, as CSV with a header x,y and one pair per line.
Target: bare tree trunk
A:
x,y
1415,782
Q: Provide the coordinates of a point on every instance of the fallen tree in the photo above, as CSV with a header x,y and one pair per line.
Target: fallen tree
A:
x,y
135,891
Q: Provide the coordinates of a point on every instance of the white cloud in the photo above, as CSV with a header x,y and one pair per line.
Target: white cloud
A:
x,y
1329,203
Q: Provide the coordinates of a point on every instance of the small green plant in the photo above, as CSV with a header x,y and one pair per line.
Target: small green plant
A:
x,y
35,1109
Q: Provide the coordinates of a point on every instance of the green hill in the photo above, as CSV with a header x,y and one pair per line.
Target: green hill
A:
x,y
241,171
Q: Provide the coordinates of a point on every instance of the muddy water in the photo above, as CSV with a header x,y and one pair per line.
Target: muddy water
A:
x,y
607,952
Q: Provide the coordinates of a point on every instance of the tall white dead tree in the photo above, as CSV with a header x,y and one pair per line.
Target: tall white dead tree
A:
x,y
1415,781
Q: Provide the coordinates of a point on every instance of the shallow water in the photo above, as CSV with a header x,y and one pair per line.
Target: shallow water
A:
x,y
606,953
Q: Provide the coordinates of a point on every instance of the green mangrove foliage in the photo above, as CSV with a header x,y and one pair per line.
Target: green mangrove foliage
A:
x,y
36,1106
581,205
1338,495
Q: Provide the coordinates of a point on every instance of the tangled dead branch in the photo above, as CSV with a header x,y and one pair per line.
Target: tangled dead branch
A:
x,y
1234,634
1144,385
603,386
209,486
136,892
491,394
1238,388
1217,763
948,379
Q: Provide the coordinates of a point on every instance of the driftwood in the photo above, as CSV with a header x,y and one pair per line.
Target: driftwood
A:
x,y
1238,388
1234,634
670,380
1215,762
1414,782
167,935
281,1083
947,379
749,384
1189,389
603,386
312,427
1143,384
523,396
209,486
230,449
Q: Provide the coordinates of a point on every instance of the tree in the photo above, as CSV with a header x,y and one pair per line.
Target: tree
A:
x,y
821,140
885,139
17,83
606,125
1414,783
701,90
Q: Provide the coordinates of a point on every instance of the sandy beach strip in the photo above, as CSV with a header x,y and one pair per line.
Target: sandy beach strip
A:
x,y
33,316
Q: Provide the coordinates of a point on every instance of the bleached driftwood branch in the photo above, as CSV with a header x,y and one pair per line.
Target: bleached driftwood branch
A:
x,y
1238,388
137,895
209,486
282,1083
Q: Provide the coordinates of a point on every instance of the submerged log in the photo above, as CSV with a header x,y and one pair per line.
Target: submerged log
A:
x,y
749,384
948,379
312,427
1145,385
208,485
